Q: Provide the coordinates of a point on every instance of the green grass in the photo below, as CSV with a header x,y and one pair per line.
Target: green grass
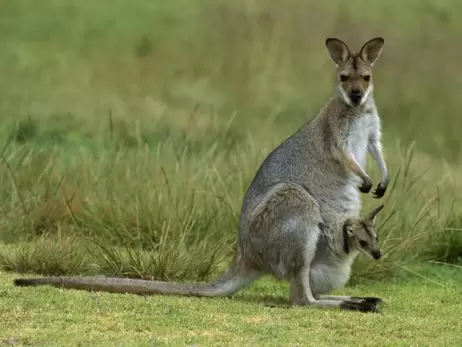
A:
x,y
417,312
130,131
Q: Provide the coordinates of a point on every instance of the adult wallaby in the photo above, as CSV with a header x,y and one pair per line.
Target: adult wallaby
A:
x,y
310,180
330,268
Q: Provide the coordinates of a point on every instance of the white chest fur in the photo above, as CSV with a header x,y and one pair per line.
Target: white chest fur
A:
x,y
358,136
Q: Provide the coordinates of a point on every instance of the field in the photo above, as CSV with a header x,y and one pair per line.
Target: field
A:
x,y
131,130
418,313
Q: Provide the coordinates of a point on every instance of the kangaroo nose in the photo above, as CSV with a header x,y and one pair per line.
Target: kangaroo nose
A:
x,y
355,96
377,254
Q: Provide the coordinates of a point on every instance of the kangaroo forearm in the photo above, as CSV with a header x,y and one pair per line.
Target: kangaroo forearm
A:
x,y
357,169
349,163
376,150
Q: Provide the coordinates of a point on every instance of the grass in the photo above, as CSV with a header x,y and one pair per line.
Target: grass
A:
x,y
130,132
178,220
422,312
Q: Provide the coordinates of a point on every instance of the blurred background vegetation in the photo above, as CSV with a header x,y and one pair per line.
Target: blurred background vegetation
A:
x,y
132,129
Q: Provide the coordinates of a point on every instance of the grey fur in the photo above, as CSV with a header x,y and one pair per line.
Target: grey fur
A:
x,y
293,213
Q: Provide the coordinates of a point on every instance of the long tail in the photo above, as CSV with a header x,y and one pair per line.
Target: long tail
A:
x,y
234,279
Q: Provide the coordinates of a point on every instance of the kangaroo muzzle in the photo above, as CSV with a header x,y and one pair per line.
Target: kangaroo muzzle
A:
x,y
355,97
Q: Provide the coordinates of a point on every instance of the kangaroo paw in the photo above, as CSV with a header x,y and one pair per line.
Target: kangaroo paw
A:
x,y
365,187
379,191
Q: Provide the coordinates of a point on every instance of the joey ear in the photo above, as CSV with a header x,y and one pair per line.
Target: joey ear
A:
x,y
371,50
338,50
347,233
372,216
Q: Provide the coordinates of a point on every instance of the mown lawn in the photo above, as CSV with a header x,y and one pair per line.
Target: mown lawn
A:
x,y
419,310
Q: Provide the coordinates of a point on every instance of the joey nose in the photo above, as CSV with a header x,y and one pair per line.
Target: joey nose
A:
x,y
355,96
377,254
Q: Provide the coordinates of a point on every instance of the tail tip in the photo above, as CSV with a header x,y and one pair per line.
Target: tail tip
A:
x,y
23,282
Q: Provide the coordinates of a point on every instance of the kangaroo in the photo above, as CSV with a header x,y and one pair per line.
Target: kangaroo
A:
x,y
330,268
301,191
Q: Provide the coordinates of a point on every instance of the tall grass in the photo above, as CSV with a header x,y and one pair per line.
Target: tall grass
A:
x,y
132,130
132,212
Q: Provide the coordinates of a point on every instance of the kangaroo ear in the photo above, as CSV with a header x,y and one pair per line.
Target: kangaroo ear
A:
x,y
347,233
338,50
372,216
371,50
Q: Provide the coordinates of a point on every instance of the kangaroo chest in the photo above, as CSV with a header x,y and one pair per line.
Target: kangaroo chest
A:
x,y
358,137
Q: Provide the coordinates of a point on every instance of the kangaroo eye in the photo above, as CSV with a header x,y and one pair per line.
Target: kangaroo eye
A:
x,y
367,78
363,243
343,78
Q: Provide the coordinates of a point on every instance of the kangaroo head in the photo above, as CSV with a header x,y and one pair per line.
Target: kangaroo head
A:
x,y
354,70
360,234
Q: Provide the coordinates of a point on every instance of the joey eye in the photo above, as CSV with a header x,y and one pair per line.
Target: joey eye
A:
x,y
363,243
367,78
343,78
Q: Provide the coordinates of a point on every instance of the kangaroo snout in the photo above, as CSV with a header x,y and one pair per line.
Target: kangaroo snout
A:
x,y
376,254
355,96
